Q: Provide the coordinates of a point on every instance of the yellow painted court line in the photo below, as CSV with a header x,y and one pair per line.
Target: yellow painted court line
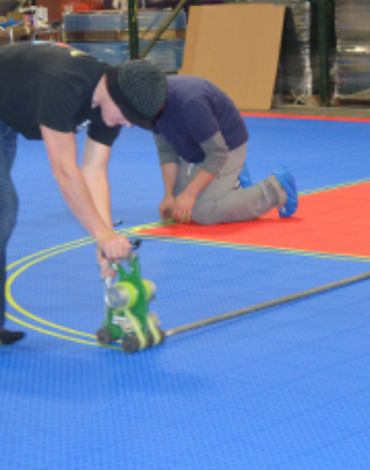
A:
x,y
262,248
34,258
55,334
336,186
68,245
11,301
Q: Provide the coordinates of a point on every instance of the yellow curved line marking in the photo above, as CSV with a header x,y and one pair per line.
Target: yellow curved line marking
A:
x,y
336,186
26,313
262,248
57,335
68,245
137,228
41,255
295,251
33,259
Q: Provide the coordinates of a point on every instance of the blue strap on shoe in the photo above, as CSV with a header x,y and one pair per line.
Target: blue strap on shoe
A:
x,y
287,182
244,177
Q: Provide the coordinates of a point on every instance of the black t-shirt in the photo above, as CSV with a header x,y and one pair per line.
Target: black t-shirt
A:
x,y
52,85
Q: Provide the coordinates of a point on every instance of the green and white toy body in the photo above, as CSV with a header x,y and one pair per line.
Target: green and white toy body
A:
x,y
127,315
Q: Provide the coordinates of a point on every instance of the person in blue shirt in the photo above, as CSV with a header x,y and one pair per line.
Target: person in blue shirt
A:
x,y
201,141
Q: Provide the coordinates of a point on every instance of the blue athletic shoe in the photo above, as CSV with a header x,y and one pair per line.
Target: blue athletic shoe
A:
x,y
287,182
245,178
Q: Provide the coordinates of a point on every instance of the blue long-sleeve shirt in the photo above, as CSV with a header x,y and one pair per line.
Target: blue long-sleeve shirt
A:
x,y
196,110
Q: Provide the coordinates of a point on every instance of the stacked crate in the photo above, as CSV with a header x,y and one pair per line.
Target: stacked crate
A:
x,y
352,65
295,79
105,34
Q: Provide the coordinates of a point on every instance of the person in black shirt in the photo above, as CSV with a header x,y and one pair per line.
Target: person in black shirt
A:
x,y
46,92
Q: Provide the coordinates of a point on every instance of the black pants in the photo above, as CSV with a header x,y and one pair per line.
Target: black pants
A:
x,y
8,203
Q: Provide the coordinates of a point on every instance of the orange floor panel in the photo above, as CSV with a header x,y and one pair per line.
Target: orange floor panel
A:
x,y
335,221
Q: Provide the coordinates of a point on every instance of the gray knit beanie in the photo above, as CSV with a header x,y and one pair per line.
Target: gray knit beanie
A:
x,y
139,89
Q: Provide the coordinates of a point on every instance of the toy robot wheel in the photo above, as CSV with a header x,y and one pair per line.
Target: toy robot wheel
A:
x,y
130,343
162,335
150,340
104,336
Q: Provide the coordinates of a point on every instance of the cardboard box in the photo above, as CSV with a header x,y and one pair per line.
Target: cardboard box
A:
x,y
236,46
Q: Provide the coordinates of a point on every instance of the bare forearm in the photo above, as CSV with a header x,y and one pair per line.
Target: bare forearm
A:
x,y
62,153
100,193
169,176
94,171
199,183
79,199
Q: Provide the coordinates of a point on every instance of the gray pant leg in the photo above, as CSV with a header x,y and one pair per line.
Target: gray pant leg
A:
x,y
227,179
224,200
8,203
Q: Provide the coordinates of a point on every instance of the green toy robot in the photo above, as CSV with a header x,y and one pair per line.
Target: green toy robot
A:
x,y
127,316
